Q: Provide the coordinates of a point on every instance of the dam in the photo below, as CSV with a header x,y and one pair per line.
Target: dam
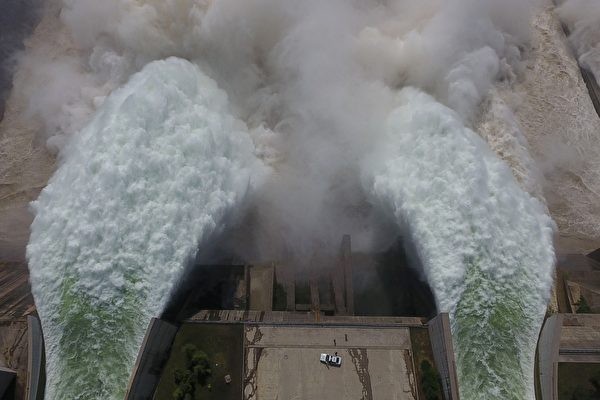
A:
x,y
179,129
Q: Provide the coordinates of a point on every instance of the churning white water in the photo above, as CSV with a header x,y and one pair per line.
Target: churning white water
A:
x,y
484,243
154,174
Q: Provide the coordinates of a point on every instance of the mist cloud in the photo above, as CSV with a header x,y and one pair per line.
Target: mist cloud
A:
x,y
313,80
583,19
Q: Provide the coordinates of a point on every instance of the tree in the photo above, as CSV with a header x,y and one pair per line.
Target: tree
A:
x,y
178,394
197,372
583,307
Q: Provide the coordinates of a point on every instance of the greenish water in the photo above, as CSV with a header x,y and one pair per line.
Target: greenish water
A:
x,y
98,342
495,328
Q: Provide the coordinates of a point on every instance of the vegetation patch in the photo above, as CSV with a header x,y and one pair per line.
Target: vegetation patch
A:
x,y
205,363
583,307
578,381
427,375
196,373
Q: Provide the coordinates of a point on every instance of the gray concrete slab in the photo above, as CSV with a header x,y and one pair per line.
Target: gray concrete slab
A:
x,y
283,363
295,373
320,336
279,317
580,337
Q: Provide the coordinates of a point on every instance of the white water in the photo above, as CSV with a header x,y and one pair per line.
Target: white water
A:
x,y
155,173
484,243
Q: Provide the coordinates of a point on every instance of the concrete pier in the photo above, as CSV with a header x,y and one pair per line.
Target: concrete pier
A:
x,y
36,360
153,355
443,353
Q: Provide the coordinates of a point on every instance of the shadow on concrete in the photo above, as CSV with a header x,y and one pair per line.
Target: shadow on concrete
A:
x,y
386,284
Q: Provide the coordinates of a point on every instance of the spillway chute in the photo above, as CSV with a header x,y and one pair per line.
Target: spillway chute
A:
x,y
157,171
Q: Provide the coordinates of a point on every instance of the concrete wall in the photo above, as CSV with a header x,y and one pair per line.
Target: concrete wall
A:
x,y
548,351
443,354
35,360
261,287
152,357
346,261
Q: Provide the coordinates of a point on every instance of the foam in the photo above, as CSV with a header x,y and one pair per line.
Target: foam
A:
x,y
156,172
484,243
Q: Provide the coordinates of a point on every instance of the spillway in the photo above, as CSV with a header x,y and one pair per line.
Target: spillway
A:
x,y
484,243
153,175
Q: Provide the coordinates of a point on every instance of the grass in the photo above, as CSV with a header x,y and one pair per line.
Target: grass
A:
x,y
578,381
222,343
427,375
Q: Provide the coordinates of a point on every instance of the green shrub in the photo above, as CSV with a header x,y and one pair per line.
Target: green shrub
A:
x,y
430,382
197,372
583,307
178,394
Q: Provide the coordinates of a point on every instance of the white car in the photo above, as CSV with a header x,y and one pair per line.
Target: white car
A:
x,y
335,360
